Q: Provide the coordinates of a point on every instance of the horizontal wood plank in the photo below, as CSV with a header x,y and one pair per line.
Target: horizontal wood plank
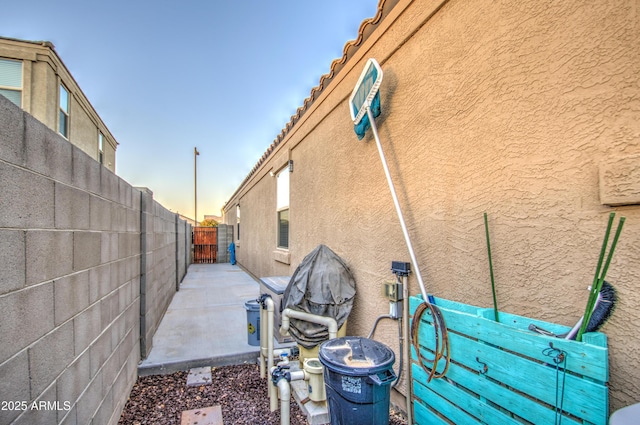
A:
x,y
518,371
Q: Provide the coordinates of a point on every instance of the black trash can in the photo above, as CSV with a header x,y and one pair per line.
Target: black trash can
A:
x,y
358,373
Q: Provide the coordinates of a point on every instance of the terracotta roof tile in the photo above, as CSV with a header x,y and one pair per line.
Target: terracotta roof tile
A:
x,y
366,28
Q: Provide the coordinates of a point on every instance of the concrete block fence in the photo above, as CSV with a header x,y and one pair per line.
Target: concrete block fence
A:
x,y
88,266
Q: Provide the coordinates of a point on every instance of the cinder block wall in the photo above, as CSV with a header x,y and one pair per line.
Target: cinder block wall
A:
x,y
164,258
225,237
70,277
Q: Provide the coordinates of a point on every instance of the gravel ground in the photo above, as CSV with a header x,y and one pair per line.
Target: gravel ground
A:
x,y
238,390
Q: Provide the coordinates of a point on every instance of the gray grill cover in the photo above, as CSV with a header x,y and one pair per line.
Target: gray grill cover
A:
x,y
322,285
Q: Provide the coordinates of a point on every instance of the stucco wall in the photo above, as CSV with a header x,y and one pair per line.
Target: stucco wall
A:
x,y
71,277
506,107
43,71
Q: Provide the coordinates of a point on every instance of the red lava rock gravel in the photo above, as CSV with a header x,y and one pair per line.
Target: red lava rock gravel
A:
x,y
238,390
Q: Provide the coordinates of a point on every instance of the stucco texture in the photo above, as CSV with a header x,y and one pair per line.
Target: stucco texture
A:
x,y
507,107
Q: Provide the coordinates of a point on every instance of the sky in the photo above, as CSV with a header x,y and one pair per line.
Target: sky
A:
x,y
166,76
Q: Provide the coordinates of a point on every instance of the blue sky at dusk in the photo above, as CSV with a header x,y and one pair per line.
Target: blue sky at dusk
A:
x,y
166,76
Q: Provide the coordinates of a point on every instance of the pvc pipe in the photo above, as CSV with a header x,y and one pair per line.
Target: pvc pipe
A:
x,y
329,322
284,388
271,388
263,342
285,400
407,349
299,375
331,325
397,205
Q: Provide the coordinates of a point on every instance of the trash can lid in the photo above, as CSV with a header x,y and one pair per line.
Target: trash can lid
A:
x,y
356,356
252,305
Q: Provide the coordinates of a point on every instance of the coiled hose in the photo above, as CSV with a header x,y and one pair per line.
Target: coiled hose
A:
x,y
441,347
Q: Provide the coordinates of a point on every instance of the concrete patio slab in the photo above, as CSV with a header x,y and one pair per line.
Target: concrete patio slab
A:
x,y
206,322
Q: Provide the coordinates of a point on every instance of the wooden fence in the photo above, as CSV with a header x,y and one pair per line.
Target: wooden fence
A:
x,y
205,245
502,373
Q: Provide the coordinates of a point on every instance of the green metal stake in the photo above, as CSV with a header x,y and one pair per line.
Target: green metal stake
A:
x,y
599,277
493,285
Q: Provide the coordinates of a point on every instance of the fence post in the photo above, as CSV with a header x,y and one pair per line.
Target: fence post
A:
x,y
175,216
143,272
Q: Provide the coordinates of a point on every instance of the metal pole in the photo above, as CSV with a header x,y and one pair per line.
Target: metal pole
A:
x,y
195,183
397,204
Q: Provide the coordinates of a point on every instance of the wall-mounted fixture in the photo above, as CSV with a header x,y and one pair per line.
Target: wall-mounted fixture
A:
x,y
291,165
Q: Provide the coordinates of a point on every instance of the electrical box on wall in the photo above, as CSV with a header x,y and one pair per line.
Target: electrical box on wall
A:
x,y
400,268
392,291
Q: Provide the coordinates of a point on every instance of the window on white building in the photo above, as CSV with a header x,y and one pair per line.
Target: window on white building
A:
x,y
11,80
282,207
63,125
100,147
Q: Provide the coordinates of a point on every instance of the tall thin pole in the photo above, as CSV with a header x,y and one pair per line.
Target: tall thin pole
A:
x,y
405,232
195,183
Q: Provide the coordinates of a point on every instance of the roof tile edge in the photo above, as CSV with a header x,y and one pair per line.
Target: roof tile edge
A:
x,y
315,92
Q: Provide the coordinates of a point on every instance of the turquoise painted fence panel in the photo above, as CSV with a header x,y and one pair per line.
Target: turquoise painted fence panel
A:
x,y
520,373
424,415
520,382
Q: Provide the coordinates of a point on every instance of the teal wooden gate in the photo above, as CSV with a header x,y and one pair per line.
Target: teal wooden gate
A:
x,y
503,373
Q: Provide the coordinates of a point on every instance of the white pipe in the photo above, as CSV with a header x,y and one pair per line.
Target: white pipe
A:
x,y
332,327
284,388
271,388
405,232
277,352
299,375
406,349
285,400
329,322
263,342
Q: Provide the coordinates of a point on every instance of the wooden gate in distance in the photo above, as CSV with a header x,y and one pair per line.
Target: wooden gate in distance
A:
x,y
205,245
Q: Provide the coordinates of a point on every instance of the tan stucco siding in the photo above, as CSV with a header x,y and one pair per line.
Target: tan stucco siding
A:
x,y
43,72
506,107
84,132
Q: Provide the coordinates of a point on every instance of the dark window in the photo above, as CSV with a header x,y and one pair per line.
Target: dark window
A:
x,y
283,229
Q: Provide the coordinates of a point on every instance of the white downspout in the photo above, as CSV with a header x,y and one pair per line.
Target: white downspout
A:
x,y
329,322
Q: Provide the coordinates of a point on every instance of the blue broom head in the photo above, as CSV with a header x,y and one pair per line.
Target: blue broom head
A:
x,y
364,124
604,308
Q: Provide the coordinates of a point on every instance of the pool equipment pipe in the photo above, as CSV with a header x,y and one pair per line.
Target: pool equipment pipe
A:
x,y
266,346
268,305
329,322
281,377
